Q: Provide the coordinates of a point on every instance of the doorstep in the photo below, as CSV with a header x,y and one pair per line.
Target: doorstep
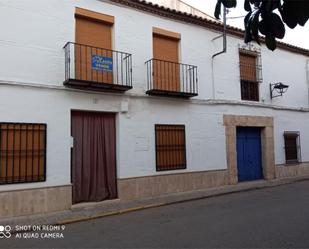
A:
x,y
88,211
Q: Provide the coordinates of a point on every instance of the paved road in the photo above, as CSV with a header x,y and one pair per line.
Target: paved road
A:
x,y
274,217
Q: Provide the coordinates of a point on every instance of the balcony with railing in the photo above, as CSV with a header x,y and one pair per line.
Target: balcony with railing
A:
x,y
99,69
166,78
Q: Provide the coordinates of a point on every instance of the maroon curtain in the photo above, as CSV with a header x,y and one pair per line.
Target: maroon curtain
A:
x,y
93,157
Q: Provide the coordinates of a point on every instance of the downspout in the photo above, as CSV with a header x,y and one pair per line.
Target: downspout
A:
x,y
221,52
307,74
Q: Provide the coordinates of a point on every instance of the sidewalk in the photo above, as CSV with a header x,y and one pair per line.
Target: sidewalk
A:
x,y
83,212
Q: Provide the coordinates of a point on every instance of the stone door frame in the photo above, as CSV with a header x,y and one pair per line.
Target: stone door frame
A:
x,y
231,122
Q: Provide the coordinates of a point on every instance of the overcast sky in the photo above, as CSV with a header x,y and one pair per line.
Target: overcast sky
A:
x,y
298,36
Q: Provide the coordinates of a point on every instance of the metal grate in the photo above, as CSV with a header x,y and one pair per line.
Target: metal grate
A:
x,y
292,147
250,74
170,147
98,67
22,153
249,90
171,78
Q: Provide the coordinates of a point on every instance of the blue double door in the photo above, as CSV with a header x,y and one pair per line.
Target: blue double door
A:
x,y
249,154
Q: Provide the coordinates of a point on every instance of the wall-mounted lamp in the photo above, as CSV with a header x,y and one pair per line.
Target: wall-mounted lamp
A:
x,y
277,89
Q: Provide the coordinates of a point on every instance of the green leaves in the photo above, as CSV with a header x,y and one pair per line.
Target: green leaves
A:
x,y
261,18
247,6
270,41
218,9
226,3
229,3
272,27
275,26
295,12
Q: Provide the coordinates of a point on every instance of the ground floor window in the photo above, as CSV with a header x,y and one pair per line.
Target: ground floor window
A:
x,y
292,146
170,147
22,153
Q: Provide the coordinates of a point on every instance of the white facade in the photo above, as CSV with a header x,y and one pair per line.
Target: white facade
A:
x,y
32,69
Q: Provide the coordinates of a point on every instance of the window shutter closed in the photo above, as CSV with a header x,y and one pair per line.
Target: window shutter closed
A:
x,y
22,152
170,147
93,37
93,33
165,66
248,67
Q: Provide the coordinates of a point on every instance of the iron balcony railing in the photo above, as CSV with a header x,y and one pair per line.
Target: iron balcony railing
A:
x,y
97,68
169,78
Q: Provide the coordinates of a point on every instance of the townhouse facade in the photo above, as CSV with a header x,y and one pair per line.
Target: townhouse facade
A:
x,y
124,99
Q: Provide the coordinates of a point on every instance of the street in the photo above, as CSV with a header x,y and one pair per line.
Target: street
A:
x,y
267,218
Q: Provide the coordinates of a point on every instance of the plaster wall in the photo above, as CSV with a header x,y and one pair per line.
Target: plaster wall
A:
x,y
205,131
31,88
33,34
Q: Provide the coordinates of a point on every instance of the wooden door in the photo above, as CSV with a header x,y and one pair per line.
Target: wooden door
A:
x,y
98,36
166,70
249,154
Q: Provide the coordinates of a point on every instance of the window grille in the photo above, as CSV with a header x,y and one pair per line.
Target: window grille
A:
x,y
22,153
250,74
170,147
292,146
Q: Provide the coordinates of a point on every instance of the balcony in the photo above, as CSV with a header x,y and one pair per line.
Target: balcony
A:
x,y
166,78
98,69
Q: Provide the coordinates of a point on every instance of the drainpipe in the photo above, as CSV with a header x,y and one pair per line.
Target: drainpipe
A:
x,y
307,73
216,54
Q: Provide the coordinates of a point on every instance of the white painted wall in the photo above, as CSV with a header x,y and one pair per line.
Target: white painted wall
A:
x,y
31,40
205,133
33,34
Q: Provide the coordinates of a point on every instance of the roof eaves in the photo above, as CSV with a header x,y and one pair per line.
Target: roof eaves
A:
x,y
197,20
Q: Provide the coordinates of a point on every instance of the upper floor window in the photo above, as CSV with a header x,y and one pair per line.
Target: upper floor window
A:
x,y
166,76
292,146
91,63
166,68
250,68
93,37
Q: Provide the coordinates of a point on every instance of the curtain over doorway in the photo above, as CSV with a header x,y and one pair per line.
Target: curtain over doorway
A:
x,y
93,156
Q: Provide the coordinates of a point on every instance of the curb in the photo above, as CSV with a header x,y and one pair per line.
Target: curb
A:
x,y
270,184
63,217
106,214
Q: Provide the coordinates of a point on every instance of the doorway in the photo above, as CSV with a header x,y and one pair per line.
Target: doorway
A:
x,y
93,156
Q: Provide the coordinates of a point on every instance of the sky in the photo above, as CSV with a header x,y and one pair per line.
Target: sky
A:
x,y
298,36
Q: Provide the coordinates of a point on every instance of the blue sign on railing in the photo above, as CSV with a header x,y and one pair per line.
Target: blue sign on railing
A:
x,y
102,63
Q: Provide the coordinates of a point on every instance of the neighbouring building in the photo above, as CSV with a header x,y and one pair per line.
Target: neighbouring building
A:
x,y
124,99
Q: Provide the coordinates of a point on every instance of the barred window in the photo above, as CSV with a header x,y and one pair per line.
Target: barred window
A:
x,y
292,146
249,90
249,76
22,153
170,147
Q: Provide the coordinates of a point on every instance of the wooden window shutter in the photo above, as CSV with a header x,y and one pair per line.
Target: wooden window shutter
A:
x,y
248,76
22,152
170,147
93,37
166,70
248,68
93,33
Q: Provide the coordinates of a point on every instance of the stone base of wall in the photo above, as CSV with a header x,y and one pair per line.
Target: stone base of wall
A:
x,y
51,199
134,188
35,201
301,169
